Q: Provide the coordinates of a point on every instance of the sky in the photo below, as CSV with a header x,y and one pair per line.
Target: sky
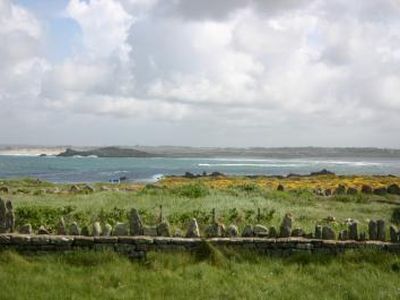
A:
x,y
238,73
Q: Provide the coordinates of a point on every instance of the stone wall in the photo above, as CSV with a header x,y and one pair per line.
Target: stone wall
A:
x,y
138,246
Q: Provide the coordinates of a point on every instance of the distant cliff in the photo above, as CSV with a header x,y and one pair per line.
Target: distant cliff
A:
x,y
106,152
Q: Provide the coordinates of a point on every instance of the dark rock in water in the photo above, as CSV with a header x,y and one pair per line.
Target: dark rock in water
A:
x,y
120,229
381,230
248,231
340,190
352,191
393,189
215,230
4,189
328,233
43,230
107,152
366,189
189,175
107,230
353,231
273,233
193,229
322,172
217,174
74,229
61,228
163,229
393,234
96,229
298,232
232,231
135,223
26,229
318,232
381,191
372,230
285,230
260,231
280,188
43,155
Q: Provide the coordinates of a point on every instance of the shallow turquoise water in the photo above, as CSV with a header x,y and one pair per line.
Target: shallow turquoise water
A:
x,y
68,169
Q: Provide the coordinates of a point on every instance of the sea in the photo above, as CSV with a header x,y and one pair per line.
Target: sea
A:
x,y
93,169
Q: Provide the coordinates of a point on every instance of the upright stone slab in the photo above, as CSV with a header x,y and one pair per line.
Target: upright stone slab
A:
x,y
328,233
61,228
381,230
120,229
318,232
74,229
353,231
260,231
3,211
232,231
43,230
393,234
193,229
107,230
285,229
372,230
26,229
10,217
363,236
135,223
163,229
273,233
215,230
96,229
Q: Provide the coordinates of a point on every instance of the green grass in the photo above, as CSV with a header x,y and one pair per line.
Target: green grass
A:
x,y
94,275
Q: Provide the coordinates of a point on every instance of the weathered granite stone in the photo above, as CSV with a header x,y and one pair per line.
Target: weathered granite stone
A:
x,y
149,230
61,228
366,189
381,191
285,229
43,230
135,223
87,188
393,189
215,230
3,212
393,234
353,231
26,229
298,232
232,231
273,233
120,229
248,231
96,229
381,230
74,229
280,188
352,191
10,217
340,190
318,232
328,233
193,229
75,189
372,230
260,231
163,229
107,230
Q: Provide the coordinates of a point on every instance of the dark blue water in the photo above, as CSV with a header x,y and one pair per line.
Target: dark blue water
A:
x,y
69,169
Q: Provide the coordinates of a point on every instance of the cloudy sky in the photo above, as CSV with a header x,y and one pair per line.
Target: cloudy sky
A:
x,y
200,73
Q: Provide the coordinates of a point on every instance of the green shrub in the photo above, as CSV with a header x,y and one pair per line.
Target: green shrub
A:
x,y
195,190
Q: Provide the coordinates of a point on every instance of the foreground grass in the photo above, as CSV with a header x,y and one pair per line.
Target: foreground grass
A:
x,y
85,275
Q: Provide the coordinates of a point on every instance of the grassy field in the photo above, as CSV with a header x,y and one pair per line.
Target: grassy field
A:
x,y
217,275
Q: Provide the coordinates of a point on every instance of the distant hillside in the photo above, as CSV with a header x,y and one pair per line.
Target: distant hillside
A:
x,y
106,152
